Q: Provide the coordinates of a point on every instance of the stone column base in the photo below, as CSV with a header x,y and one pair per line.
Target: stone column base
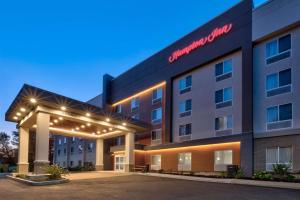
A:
x,y
99,167
23,168
129,167
40,167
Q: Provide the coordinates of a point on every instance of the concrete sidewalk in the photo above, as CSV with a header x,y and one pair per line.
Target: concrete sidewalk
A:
x,y
272,184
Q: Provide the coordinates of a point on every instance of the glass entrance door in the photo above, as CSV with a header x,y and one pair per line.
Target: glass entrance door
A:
x,y
119,163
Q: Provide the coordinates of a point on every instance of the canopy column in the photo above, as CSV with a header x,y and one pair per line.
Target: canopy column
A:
x,y
23,150
99,154
129,152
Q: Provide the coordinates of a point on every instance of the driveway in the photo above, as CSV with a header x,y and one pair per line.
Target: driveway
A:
x,y
140,187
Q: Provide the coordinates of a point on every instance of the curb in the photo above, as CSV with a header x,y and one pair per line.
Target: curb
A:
x,y
272,184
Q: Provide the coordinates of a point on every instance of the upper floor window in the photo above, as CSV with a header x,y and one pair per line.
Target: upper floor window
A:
x,y
157,95
279,116
279,83
184,161
278,49
58,152
65,140
278,155
223,97
223,123
73,139
80,148
185,108
72,150
119,141
135,103
156,134
59,141
185,129
156,115
90,147
119,108
65,151
185,84
223,70
135,116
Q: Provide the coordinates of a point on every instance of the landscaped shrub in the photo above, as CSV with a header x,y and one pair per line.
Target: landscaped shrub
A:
x,y
239,174
224,174
263,175
281,170
55,171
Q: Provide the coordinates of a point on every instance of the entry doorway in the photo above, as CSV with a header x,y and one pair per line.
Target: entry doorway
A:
x,y
119,163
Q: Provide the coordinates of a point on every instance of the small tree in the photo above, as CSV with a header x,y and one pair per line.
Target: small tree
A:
x,y
15,138
5,148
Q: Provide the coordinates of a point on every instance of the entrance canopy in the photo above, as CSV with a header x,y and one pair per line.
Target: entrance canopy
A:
x,y
69,117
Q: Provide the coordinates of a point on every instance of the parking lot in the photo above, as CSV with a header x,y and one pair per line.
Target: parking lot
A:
x,y
140,187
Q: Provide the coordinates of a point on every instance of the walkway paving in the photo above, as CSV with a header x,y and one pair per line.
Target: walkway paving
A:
x,y
94,175
284,185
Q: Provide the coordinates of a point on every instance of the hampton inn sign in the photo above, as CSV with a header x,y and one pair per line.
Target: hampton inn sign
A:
x,y
217,32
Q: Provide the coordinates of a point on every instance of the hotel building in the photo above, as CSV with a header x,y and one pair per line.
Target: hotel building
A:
x,y
225,94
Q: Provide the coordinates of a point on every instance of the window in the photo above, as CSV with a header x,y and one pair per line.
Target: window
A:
x,y
80,163
223,68
119,141
135,116
73,139
135,103
185,84
223,97
184,161
156,162
185,106
58,152
278,80
59,141
119,163
278,46
222,159
156,95
64,164
80,149
223,123
72,150
65,140
278,155
119,108
156,115
185,129
279,113
65,151
71,163
156,134
90,147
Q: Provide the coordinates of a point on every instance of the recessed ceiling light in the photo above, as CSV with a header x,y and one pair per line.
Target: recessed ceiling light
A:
x,y
93,133
22,109
15,117
77,128
82,126
60,118
107,119
88,124
104,131
98,132
88,114
33,100
55,121
51,123
124,124
18,114
72,129
34,126
110,129
63,108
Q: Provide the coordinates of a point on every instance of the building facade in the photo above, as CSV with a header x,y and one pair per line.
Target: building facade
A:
x,y
225,94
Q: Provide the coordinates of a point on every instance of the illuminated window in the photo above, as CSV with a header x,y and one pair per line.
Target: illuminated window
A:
x,y
222,159
156,115
185,106
156,134
184,161
65,140
155,162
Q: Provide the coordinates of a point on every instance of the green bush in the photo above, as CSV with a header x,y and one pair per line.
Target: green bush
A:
x,y
55,171
281,170
291,178
3,168
263,175
224,174
239,174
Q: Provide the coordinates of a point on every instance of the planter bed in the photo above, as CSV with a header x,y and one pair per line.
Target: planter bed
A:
x,y
38,182
219,176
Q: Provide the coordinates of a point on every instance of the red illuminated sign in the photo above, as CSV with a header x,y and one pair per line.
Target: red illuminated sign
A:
x,y
217,32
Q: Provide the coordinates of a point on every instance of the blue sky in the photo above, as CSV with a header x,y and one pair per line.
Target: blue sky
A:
x,y
66,46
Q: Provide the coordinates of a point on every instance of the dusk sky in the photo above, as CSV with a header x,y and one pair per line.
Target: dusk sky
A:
x,y
67,46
